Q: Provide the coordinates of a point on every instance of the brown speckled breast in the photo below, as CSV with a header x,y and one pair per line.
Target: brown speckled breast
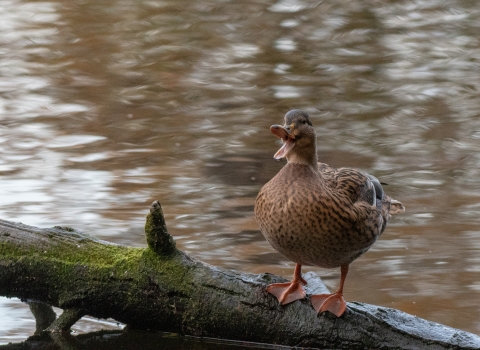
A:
x,y
320,218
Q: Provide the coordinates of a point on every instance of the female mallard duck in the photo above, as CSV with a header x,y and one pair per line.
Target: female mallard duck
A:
x,y
317,215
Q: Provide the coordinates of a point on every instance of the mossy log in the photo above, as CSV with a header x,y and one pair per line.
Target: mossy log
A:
x,y
162,288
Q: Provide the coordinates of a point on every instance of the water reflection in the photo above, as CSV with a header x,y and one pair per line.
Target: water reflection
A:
x,y
105,107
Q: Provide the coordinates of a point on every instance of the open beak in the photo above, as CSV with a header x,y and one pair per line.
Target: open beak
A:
x,y
288,140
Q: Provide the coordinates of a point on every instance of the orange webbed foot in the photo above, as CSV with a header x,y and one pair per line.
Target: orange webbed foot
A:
x,y
329,302
332,302
287,292
290,291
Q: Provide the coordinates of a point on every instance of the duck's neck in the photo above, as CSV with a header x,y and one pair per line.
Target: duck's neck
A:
x,y
309,159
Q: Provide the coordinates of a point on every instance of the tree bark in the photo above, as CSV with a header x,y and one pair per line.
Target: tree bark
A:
x,y
162,288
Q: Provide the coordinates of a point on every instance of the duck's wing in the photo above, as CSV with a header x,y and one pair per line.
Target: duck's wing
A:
x,y
370,207
352,187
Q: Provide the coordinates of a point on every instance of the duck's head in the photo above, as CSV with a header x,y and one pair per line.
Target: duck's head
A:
x,y
299,138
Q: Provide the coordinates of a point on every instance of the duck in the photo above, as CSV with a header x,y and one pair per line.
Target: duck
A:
x,y
317,215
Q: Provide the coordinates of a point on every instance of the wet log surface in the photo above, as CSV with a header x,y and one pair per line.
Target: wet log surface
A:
x,y
161,288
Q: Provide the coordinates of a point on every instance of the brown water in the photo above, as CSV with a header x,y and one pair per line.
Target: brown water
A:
x,y
106,106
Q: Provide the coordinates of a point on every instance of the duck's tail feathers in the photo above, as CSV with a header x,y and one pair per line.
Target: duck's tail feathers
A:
x,y
396,207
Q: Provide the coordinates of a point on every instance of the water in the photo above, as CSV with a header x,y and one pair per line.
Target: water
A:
x,y
107,106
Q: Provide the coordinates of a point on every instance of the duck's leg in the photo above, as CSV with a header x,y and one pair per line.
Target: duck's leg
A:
x,y
289,291
332,302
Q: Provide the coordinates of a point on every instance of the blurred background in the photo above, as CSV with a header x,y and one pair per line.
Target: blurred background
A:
x,y
107,105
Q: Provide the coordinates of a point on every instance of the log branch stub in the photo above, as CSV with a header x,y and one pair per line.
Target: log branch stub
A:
x,y
158,238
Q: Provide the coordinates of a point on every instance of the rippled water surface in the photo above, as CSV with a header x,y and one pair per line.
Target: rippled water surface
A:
x,y
106,106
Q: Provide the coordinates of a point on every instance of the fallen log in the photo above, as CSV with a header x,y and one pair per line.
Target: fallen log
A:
x,y
162,288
